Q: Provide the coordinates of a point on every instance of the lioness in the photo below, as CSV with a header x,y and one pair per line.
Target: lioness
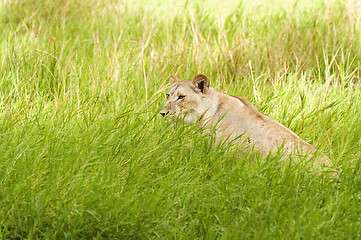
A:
x,y
194,100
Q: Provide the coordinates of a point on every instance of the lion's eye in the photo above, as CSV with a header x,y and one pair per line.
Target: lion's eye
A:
x,y
181,97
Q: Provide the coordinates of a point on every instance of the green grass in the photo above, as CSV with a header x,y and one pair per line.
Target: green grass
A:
x,y
84,153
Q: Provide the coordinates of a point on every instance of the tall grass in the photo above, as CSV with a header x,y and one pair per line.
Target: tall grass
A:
x,y
84,154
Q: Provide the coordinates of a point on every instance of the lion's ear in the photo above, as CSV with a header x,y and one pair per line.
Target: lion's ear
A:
x,y
201,82
174,79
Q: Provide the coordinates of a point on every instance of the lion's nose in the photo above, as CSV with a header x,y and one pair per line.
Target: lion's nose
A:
x,y
164,113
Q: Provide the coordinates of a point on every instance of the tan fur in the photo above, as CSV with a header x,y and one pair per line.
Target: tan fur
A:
x,y
194,100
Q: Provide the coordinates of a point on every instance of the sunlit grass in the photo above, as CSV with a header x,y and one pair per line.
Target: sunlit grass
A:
x,y
84,154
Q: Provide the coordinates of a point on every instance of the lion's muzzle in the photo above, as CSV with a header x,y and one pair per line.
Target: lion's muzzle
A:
x,y
164,113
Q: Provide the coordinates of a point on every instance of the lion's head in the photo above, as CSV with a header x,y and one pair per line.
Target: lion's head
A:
x,y
186,98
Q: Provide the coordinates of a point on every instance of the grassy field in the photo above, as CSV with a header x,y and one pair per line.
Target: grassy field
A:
x,y
85,154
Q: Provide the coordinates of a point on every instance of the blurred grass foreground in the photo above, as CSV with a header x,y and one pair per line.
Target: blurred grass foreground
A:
x,y
84,154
